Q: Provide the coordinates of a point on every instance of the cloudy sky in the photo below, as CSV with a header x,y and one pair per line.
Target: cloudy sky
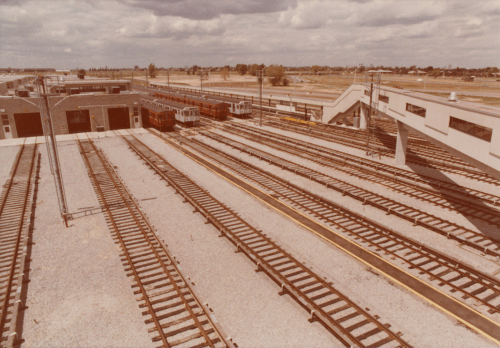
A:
x,y
178,33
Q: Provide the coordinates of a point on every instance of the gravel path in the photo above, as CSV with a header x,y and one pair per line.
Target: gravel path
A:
x,y
425,326
79,295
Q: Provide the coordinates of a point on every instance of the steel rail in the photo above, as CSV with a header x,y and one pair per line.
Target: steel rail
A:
x,y
382,149
303,150
354,328
476,240
444,302
15,221
370,166
468,172
442,269
425,149
110,189
420,148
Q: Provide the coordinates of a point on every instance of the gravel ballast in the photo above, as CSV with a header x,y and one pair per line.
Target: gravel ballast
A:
x,y
245,302
422,324
487,264
78,295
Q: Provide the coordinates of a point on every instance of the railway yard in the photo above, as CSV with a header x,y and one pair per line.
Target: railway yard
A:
x,y
229,233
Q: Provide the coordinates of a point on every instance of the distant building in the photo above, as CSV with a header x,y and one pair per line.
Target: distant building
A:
x,y
81,106
417,72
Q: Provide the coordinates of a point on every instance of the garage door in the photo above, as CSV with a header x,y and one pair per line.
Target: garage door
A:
x,y
118,118
28,125
78,121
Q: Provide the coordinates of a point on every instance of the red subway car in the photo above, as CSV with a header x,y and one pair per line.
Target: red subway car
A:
x,y
158,117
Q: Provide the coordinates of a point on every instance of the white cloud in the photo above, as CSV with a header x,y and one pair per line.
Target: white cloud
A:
x,y
187,32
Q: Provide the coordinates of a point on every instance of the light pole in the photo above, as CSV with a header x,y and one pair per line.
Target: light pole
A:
x,y
261,80
201,81
369,118
50,140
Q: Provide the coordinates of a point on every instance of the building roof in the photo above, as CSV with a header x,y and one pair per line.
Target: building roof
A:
x,y
154,108
199,99
224,99
167,102
94,83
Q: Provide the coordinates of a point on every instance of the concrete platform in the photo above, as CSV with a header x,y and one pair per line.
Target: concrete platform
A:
x,y
68,137
12,142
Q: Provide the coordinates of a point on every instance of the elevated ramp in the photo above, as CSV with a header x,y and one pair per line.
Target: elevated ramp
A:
x,y
346,104
469,131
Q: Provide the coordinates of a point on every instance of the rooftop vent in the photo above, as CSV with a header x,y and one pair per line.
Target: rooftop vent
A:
x,y
453,97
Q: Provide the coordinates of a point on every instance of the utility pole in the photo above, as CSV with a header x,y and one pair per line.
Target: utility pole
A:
x,y
201,81
261,77
52,151
368,119
147,83
168,79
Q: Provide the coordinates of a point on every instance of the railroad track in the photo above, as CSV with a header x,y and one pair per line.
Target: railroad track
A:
x,y
419,153
388,142
174,314
16,204
381,140
465,283
486,244
443,165
385,142
369,166
463,205
349,322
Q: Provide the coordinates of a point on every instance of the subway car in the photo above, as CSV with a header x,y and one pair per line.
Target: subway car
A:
x,y
184,114
212,108
158,117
